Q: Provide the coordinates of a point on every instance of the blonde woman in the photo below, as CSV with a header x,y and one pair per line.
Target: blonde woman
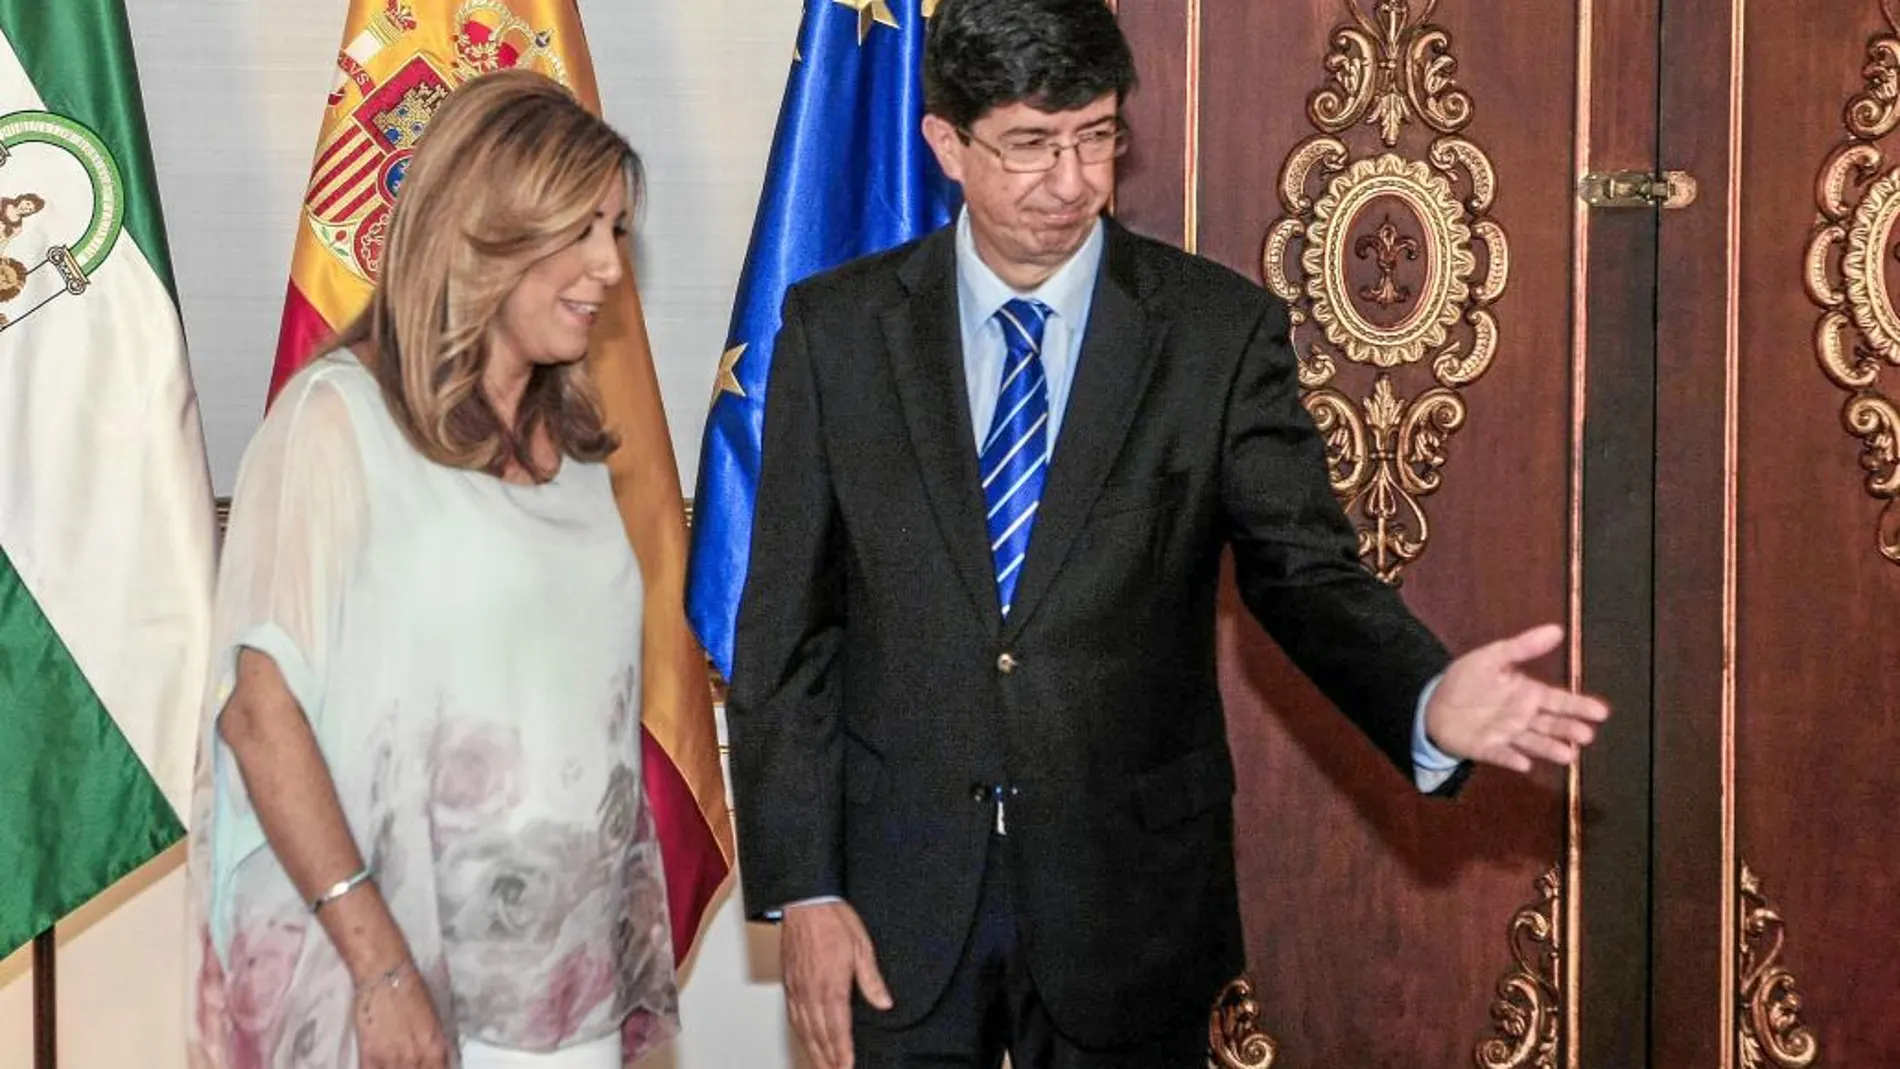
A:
x,y
420,836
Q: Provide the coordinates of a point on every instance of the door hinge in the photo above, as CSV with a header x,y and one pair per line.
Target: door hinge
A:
x,y
1637,189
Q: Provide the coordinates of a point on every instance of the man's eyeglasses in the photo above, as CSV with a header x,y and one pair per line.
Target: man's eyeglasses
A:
x,y
1042,154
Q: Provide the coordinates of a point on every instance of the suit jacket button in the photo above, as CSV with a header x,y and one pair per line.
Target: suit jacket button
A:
x,y
1006,662
979,793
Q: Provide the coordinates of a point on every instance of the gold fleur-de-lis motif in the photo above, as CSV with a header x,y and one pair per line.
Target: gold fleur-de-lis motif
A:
x,y
1386,246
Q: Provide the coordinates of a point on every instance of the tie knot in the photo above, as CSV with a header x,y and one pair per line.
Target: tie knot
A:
x,y
1022,319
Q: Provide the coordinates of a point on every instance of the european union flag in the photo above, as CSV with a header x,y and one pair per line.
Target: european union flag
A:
x,y
849,175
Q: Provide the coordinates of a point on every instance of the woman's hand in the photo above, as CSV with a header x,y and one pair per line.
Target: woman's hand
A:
x,y
396,1025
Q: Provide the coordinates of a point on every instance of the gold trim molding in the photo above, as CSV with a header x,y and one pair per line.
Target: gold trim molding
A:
x,y
1769,1031
1395,263
1234,1037
1851,256
1528,1012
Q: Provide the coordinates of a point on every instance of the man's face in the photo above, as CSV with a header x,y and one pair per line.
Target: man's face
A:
x,y
1028,225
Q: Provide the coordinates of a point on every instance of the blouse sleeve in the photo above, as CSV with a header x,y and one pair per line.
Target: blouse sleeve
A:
x,y
297,522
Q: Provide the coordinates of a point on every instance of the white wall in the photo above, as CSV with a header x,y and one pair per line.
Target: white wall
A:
x,y
234,91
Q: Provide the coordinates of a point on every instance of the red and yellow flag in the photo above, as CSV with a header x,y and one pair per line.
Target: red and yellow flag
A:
x,y
399,60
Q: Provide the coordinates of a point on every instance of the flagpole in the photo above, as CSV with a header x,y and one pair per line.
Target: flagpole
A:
x,y
45,1052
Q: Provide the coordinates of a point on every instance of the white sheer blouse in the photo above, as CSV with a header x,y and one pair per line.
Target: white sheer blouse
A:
x,y
467,652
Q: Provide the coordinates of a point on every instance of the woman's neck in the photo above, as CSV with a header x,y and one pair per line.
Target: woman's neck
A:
x,y
504,385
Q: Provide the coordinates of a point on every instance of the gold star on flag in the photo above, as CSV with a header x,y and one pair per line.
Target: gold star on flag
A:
x,y
930,8
728,381
869,11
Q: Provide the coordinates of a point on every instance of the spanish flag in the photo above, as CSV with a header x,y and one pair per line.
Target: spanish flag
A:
x,y
399,60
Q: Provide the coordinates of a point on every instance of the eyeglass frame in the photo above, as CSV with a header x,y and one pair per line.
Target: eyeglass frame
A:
x,y
1118,138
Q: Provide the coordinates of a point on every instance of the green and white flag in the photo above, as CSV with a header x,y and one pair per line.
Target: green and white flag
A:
x,y
106,523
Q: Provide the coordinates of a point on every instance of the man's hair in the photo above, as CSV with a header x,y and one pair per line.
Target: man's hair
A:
x,y
1053,55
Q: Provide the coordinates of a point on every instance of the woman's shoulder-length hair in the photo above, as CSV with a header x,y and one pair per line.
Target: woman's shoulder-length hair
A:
x,y
510,169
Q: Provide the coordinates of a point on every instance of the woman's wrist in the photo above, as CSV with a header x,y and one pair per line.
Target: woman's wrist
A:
x,y
390,979
340,888
365,935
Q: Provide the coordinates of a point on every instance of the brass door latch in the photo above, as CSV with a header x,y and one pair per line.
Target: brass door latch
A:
x,y
1637,189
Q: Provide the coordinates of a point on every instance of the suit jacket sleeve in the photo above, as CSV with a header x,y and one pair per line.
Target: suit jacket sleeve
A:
x,y
1296,555
784,707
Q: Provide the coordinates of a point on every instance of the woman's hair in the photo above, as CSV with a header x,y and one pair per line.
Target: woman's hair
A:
x,y
510,169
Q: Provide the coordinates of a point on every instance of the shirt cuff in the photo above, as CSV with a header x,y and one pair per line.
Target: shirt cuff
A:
x,y
779,913
1431,766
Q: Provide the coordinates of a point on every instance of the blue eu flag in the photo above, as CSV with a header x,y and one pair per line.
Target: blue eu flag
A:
x,y
849,175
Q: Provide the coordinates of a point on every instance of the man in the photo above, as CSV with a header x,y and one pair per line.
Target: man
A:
x,y
978,749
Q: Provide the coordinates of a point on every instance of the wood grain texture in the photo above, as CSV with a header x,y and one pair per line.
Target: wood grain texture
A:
x,y
1377,919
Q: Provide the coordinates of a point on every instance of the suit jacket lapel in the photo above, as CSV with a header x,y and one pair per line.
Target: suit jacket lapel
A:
x,y
1120,345
926,351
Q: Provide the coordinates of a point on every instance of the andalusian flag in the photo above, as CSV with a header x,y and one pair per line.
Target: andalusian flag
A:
x,y
399,60
105,508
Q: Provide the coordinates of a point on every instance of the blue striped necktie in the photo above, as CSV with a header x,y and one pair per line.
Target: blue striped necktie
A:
x,y
1015,455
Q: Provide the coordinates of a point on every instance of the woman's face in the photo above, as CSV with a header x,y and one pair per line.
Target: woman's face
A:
x,y
549,315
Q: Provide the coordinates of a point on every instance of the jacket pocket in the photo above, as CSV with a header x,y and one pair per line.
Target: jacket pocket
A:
x,y
1184,787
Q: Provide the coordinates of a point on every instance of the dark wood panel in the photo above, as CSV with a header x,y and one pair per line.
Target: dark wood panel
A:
x,y
1690,985
1359,893
1617,527
1818,698
1150,180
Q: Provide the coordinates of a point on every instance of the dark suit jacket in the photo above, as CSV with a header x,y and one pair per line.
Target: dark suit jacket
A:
x,y
875,686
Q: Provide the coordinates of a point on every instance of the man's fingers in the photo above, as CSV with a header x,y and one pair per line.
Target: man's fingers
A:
x,y
821,1013
1505,755
1545,748
1580,707
808,1022
809,1036
870,980
1532,644
838,1028
827,1031
1564,729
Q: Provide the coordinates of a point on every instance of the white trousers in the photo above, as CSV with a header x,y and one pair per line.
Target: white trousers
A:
x,y
602,1053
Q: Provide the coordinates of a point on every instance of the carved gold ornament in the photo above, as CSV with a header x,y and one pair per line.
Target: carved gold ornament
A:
x,y
1390,68
1528,1010
1234,1038
1852,255
1395,263
1769,1032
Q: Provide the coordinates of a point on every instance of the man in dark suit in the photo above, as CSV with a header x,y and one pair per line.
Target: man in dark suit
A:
x,y
977,743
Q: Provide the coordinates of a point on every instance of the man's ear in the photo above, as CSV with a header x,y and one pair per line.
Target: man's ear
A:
x,y
947,145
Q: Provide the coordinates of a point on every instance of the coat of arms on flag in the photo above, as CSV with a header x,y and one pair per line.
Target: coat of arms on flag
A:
x,y
360,163
50,243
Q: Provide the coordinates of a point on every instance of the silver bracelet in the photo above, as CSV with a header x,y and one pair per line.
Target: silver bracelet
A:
x,y
340,888
391,978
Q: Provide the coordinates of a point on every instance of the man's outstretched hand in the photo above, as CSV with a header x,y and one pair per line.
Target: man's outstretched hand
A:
x,y
1488,709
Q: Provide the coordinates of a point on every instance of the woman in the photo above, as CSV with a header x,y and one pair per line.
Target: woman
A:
x,y
420,833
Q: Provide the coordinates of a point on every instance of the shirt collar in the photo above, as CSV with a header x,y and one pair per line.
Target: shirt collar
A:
x,y
1067,292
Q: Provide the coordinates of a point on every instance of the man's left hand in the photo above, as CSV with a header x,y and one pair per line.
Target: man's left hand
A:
x,y
1488,709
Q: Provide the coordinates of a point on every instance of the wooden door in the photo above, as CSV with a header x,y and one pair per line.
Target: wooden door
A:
x,y
1778,549
1405,175
1677,429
